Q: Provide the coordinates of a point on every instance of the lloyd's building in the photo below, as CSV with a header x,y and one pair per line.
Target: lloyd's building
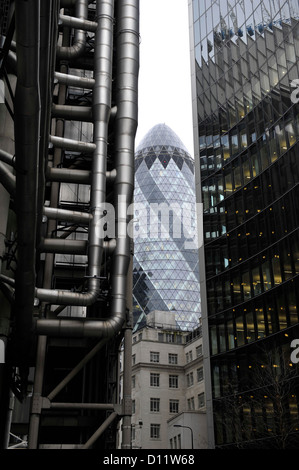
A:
x,y
246,125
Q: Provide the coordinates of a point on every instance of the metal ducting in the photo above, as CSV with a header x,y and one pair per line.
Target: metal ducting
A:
x,y
75,121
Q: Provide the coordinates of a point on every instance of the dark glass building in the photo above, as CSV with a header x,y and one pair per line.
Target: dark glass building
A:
x,y
244,71
165,274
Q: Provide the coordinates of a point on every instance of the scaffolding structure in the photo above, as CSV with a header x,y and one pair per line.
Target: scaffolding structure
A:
x,y
69,70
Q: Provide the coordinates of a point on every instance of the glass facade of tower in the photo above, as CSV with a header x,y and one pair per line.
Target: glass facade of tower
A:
x,y
245,86
165,247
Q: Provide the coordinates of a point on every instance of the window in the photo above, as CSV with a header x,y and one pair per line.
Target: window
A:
x,y
190,379
133,359
155,405
173,381
155,380
170,337
133,406
133,381
201,400
190,403
161,337
155,431
172,358
189,356
199,351
200,374
154,356
173,406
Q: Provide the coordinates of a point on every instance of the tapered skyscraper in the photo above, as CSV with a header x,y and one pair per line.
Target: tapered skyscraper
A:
x,y
245,93
165,250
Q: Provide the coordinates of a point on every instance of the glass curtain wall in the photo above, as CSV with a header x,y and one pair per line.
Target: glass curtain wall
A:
x,y
165,271
245,86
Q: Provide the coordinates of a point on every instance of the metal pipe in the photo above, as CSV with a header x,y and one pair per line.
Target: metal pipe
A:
x,y
46,72
6,157
75,113
7,280
101,111
126,125
78,23
37,392
100,431
78,48
74,247
68,175
70,144
127,68
8,180
77,369
27,133
127,385
67,215
73,80
81,406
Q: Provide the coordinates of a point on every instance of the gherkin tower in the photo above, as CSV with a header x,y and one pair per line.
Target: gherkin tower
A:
x,y
165,274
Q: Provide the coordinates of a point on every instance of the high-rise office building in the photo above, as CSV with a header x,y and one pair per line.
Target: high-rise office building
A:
x,y
246,122
165,272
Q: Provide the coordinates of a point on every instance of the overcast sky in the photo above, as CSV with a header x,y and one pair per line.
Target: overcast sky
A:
x,y
164,75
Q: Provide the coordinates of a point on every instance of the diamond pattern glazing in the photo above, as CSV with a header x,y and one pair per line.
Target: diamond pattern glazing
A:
x,y
166,275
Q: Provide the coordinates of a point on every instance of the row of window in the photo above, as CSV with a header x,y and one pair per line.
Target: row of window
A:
x,y
224,17
252,237
172,357
255,198
173,380
244,83
242,140
255,320
258,275
176,442
155,406
246,167
246,371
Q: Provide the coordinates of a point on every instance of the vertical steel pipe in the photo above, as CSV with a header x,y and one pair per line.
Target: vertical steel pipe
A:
x,y
27,133
125,125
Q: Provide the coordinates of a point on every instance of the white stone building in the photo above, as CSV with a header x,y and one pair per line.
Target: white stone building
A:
x,y
167,386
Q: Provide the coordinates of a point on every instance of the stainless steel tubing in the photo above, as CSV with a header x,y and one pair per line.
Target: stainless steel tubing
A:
x,y
126,125
127,67
8,180
60,245
27,133
69,144
67,215
6,157
73,80
74,113
78,23
7,280
101,111
66,175
78,48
